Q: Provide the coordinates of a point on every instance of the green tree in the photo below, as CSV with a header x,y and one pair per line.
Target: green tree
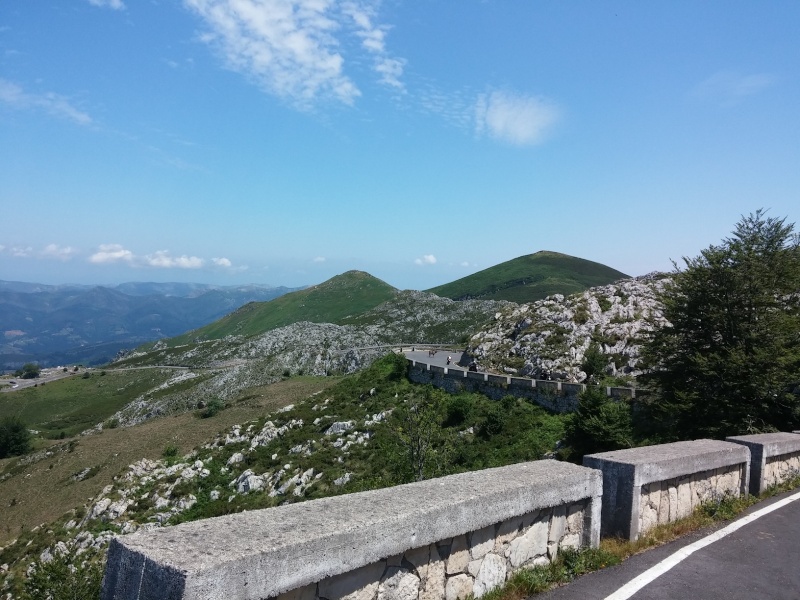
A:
x,y
416,447
29,371
730,357
594,362
15,438
600,424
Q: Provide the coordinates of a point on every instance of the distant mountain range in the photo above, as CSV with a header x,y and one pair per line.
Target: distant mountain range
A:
x,y
83,324
68,324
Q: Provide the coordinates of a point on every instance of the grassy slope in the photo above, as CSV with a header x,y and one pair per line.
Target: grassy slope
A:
x,y
529,278
43,491
74,404
342,296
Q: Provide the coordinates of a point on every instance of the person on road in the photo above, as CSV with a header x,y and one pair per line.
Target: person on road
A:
x,y
449,358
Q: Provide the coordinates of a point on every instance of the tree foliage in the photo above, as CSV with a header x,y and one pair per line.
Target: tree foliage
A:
x,y
28,371
729,363
15,439
600,424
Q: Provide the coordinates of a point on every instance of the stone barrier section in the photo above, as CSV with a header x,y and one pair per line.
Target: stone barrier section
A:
x,y
441,539
775,458
644,487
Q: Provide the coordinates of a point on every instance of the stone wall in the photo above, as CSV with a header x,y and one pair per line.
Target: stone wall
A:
x,y
456,568
440,539
781,468
650,485
775,458
666,501
548,394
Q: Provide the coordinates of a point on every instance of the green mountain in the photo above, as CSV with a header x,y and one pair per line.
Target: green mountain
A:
x,y
530,278
332,301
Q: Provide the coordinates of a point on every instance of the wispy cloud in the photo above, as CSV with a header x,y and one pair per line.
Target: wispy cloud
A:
x,y
373,38
287,46
54,104
728,87
164,260
21,251
111,253
294,48
115,4
63,253
160,259
427,259
515,118
319,259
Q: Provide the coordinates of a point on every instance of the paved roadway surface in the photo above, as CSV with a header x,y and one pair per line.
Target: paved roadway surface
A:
x,y
440,358
759,560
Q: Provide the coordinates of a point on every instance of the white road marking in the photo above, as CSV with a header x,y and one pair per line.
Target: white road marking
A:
x,y
636,584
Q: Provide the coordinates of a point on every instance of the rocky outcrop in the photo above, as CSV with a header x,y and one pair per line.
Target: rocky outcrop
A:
x,y
549,338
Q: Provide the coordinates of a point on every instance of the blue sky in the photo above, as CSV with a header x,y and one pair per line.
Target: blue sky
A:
x,y
286,141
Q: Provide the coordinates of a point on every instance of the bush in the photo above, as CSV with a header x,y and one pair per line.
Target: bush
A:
x,y
29,371
600,424
15,439
214,406
65,577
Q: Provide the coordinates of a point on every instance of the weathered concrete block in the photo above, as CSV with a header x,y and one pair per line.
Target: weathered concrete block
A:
x,y
772,457
625,472
350,546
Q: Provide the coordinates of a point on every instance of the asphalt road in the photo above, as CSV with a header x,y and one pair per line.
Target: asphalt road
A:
x,y
440,358
759,560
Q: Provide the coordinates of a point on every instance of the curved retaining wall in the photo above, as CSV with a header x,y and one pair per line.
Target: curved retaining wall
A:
x,y
558,396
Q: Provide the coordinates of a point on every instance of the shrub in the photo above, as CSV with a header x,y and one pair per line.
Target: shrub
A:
x,y
66,576
212,408
29,371
15,439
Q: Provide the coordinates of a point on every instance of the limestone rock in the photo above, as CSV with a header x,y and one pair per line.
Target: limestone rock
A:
x,y
459,556
398,584
459,587
530,545
492,574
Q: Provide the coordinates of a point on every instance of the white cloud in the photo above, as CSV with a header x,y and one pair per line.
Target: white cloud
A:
x,y
373,41
514,118
319,259
21,251
111,253
464,263
222,262
428,259
55,104
287,46
163,260
728,88
60,253
115,4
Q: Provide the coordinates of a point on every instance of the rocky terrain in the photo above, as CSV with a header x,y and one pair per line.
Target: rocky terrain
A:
x,y
223,368
550,338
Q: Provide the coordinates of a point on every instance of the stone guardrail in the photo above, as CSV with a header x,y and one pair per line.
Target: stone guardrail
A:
x,y
774,458
648,486
442,538
558,396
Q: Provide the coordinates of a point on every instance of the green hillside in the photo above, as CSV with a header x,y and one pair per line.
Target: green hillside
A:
x,y
530,278
345,295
